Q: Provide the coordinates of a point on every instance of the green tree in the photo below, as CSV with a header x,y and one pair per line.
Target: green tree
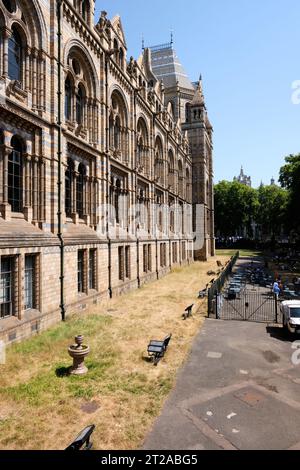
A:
x,y
271,216
290,179
235,208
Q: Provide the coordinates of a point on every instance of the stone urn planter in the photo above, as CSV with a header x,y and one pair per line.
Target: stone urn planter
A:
x,y
78,352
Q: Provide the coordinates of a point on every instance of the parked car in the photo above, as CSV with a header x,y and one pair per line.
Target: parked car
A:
x,y
290,310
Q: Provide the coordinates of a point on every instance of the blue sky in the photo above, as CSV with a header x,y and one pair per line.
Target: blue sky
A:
x,y
248,52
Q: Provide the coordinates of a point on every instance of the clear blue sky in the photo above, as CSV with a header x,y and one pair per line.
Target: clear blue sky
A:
x,y
248,52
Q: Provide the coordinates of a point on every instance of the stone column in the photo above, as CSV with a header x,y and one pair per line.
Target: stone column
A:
x,y
75,91
34,78
27,69
42,58
35,188
74,192
5,206
42,180
6,36
28,212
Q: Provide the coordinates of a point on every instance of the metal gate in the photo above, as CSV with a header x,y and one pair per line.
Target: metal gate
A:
x,y
260,307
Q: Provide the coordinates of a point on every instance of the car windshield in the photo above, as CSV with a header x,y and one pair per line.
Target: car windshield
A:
x,y
295,312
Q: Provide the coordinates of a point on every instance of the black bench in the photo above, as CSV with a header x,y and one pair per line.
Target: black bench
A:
x,y
188,312
157,349
202,294
82,441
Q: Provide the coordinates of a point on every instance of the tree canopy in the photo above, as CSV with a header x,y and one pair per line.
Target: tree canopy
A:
x,y
240,209
290,179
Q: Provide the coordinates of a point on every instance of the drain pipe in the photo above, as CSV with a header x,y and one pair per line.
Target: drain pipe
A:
x,y
59,157
136,90
107,56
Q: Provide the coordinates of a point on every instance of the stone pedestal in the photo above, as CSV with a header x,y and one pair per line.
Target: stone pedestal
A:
x,y
78,352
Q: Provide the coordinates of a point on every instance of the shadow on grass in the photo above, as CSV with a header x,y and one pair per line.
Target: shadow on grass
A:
x,y
63,372
147,359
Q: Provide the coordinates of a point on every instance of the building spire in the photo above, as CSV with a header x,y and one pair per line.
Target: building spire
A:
x,y
172,37
199,96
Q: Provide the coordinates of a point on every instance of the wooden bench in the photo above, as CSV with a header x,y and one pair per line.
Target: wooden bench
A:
x,y
157,349
82,441
188,312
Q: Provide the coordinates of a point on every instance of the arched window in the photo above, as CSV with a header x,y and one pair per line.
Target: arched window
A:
x,y
116,49
10,5
118,127
85,10
15,175
142,147
187,112
121,58
15,56
117,134
80,187
188,185
140,151
79,105
68,99
68,187
111,131
180,178
171,175
158,164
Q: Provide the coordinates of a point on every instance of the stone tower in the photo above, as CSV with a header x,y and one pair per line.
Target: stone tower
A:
x,y
188,104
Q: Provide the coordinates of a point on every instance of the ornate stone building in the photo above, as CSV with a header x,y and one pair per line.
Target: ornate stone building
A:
x,y
243,179
96,173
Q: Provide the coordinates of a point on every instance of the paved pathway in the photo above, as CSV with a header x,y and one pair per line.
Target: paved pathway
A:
x,y
238,390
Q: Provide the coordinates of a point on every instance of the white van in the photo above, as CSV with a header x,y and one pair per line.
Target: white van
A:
x,y
290,310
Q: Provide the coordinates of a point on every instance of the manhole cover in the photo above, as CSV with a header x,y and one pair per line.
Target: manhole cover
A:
x,y
90,407
250,396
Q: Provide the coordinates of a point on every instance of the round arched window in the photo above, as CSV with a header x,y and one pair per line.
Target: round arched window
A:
x,y
10,5
76,66
15,54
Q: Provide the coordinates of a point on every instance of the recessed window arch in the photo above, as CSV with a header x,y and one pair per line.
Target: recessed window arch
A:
x,y
143,146
117,132
180,178
171,169
68,99
158,164
10,5
86,10
15,175
121,57
80,99
69,175
118,126
80,190
15,55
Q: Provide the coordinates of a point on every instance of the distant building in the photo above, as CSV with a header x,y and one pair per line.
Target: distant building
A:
x,y
243,179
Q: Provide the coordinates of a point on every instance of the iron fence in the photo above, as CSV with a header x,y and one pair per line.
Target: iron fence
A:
x,y
217,286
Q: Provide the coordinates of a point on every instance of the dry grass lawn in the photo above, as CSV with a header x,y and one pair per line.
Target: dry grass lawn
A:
x,y
43,408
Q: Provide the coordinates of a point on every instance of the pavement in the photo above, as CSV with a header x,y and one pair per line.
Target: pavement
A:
x,y
238,389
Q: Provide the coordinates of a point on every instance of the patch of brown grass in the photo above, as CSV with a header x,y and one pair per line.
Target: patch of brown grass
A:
x,y
40,409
